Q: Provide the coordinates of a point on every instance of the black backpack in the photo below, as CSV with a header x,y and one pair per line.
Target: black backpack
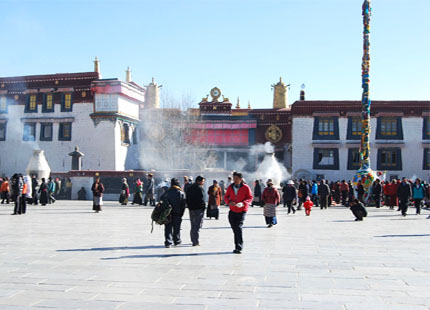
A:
x,y
161,213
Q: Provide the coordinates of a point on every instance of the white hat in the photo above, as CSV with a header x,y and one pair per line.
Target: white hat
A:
x,y
290,182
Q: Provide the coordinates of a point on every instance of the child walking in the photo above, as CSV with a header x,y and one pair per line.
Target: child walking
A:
x,y
308,204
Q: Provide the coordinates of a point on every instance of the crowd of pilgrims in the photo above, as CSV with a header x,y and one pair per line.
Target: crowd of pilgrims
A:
x,y
293,195
23,190
239,196
234,193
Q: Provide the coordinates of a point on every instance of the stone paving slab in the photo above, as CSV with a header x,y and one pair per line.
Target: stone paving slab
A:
x,y
64,256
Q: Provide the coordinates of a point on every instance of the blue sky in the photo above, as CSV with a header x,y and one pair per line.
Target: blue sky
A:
x,y
241,46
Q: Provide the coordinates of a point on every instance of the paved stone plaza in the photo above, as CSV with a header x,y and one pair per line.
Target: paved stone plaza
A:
x,y
64,256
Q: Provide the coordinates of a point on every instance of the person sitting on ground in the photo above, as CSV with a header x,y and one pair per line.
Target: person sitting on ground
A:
x,y
82,194
358,209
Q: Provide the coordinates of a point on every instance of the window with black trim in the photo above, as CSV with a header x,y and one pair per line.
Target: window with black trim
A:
x,y
326,128
354,128
326,159
125,133
31,105
353,159
389,128
29,132
3,131
3,104
426,127
426,159
67,103
48,103
46,132
389,159
65,132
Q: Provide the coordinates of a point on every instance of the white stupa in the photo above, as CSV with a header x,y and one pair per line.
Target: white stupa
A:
x,y
38,165
270,167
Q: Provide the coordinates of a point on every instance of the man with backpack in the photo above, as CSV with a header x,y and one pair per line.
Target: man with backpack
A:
x,y
175,197
197,205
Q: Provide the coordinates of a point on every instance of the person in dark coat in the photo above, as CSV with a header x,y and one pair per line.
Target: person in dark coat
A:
x,y
376,192
337,192
82,194
324,193
197,205
404,193
289,195
44,193
303,193
257,194
350,191
149,191
17,187
34,189
360,191
222,186
125,192
358,209
97,190
175,197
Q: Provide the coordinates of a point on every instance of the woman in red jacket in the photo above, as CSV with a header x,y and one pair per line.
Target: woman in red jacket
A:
x,y
271,200
238,197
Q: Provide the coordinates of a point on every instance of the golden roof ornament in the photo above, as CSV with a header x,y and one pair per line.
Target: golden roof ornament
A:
x,y
97,65
205,99
249,104
273,134
215,94
238,103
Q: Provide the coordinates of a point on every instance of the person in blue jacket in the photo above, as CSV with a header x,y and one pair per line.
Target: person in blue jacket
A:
x,y
418,193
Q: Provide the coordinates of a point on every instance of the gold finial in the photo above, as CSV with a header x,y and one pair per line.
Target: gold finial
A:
x,y
238,103
97,65
128,75
249,104
280,94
